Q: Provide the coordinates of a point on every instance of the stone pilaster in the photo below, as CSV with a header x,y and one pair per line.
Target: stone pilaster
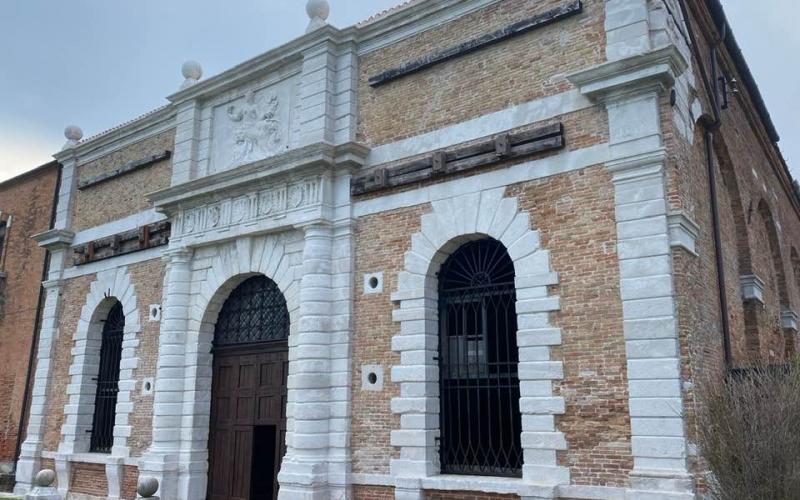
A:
x,y
57,242
630,89
304,471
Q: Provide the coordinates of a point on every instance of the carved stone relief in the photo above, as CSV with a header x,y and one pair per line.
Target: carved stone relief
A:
x,y
252,127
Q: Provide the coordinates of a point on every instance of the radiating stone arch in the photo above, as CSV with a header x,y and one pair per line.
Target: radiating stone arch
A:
x,y
110,286
775,250
452,222
778,271
750,307
235,262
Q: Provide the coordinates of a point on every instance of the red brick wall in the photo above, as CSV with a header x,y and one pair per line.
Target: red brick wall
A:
x,y
89,479
373,493
30,203
130,478
747,171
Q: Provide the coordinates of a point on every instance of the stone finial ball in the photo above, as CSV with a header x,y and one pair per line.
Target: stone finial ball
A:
x,y
45,478
73,133
192,70
147,486
320,9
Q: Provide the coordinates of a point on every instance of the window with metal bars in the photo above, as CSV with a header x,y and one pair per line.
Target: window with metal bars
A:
x,y
105,403
480,421
254,312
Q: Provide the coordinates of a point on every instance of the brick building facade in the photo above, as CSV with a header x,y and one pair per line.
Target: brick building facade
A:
x,y
334,185
26,207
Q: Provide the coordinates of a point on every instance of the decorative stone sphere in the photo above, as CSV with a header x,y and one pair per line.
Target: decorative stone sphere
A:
x,y
318,9
192,70
45,478
73,133
147,486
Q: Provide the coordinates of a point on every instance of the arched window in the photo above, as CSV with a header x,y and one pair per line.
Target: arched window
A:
x,y
105,403
480,419
254,312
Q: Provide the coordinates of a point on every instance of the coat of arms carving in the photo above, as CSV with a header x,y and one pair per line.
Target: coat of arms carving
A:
x,y
257,130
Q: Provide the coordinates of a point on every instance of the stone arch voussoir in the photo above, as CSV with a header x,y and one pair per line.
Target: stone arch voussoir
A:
x,y
110,286
452,222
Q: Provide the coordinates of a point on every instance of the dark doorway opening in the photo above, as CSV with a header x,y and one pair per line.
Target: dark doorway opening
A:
x,y
262,484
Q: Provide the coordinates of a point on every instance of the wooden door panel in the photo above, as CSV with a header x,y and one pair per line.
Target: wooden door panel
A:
x,y
248,390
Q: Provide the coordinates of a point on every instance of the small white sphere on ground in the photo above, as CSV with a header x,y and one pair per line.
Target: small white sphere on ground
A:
x,y
318,9
192,70
73,133
147,486
45,478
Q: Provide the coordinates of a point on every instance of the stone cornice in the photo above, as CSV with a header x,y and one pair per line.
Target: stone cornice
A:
x,y
54,239
655,70
320,155
288,53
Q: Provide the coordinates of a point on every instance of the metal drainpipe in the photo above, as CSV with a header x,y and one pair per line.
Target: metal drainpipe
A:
x,y
23,416
711,128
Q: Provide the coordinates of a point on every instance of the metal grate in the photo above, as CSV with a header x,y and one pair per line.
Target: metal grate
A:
x,y
254,312
479,386
105,403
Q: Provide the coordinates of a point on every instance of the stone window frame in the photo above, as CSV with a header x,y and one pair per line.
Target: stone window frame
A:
x,y
451,223
110,286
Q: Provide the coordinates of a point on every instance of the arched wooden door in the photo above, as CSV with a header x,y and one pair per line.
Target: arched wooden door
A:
x,y
248,395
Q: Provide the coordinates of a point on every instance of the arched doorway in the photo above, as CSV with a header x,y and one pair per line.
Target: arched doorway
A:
x,y
480,419
248,394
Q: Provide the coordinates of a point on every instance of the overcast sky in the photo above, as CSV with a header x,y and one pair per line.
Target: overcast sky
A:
x,y
96,63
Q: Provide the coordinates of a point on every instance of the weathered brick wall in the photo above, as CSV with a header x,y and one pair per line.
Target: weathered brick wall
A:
x,y
746,180
89,479
373,493
130,478
125,195
524,68
745,177
73,296
380,244
147,280
575,216
29,201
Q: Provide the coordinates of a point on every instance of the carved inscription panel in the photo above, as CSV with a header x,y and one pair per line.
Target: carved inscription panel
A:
x,y
252,126
274,202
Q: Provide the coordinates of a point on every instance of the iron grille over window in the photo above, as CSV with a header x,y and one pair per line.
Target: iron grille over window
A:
x,y
479,386
105,403
255,312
